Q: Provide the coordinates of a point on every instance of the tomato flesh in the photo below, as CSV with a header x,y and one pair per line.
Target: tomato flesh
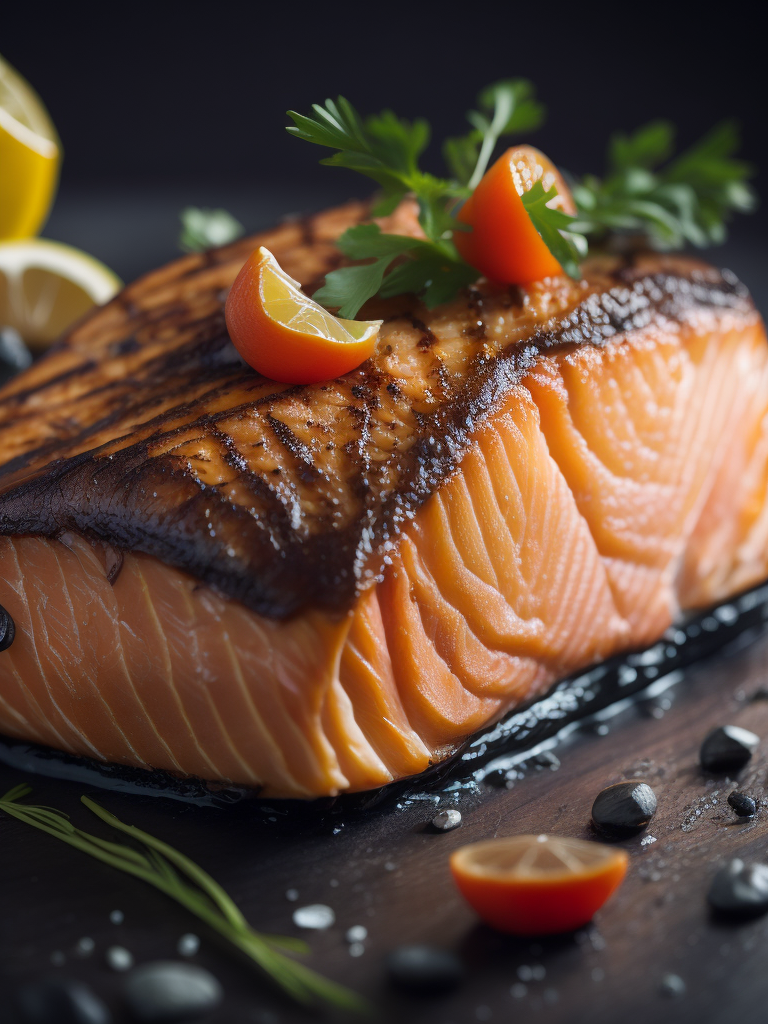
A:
x,y
503,244
545,903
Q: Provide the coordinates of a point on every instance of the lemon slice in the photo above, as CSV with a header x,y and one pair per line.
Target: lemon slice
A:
x,y
45,286
286,304
29,157
286,335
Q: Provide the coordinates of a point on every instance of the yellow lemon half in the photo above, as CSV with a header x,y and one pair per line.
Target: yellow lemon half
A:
x,y
29,157
46,286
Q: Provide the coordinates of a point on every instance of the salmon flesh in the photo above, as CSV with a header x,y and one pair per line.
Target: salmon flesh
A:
x,y
324,588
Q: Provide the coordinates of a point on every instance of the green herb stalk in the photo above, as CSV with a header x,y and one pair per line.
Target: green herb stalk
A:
x,y
168,870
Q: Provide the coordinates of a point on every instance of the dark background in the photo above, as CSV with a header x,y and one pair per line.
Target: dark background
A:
x,y
163,105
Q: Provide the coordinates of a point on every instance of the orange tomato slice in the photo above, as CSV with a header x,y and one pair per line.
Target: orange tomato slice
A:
x,y
503,244
285,335
537,885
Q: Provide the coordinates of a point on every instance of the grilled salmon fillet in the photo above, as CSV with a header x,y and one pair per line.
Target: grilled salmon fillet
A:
x,y
328,587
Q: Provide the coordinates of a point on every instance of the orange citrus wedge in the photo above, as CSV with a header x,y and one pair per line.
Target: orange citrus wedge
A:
x,y
503,243
537,885
285,335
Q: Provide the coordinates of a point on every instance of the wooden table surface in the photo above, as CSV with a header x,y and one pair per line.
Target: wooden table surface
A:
x,y
386,869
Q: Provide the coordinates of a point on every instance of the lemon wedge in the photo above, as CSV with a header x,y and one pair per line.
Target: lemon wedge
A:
x,y
29,157
286,335
45,286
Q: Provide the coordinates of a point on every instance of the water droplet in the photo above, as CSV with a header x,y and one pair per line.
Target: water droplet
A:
x,y
85,946
188,944
119,958
356,949
292,895
357,933
316,916
117,917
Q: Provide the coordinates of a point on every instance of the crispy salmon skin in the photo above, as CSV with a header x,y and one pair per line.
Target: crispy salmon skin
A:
x,y
324,588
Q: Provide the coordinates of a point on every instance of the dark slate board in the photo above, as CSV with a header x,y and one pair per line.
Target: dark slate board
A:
x,y
383,867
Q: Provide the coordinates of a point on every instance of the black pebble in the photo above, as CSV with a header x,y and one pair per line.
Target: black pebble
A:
x,y
727,749
7,629
739,890
424,969
624,809
745,806
166,991
61,1001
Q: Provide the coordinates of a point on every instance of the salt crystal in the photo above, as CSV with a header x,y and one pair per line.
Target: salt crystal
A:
x,y
316,916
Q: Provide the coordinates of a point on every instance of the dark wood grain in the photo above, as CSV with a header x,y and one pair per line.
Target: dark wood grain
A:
x,y
392,876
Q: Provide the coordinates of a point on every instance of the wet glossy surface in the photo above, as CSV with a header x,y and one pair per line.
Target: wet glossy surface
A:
x,y
386,869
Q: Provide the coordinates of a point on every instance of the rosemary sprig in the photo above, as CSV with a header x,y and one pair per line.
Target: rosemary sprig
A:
x,y
168,870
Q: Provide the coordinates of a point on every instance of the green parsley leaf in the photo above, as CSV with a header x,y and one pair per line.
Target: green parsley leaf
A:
x,y
553,225
205,229
433,274
349,288
690,200
433,270
647,148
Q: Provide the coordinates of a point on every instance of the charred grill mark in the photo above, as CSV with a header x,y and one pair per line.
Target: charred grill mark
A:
x,y
427,339
295,447
61,378
316,481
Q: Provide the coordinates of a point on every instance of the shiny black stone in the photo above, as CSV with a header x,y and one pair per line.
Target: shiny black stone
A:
x,y
740,890
424,969
61,1001
167,991
624,809
745,806
7,629
728,749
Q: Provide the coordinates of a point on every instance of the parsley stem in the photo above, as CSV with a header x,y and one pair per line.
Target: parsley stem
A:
x,y
501,116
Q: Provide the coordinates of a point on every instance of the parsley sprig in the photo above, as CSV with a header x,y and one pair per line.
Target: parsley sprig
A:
x,y
687,200
174,874
387,149
667,201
